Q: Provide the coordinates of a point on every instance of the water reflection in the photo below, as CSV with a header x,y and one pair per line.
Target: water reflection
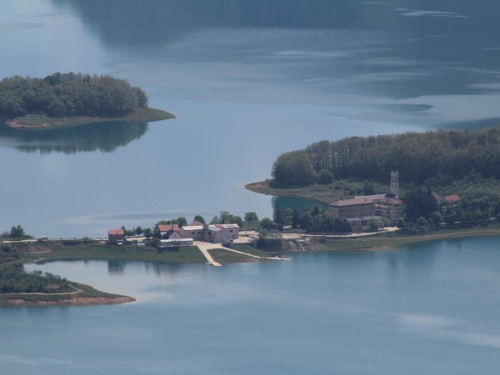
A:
x,y
105,137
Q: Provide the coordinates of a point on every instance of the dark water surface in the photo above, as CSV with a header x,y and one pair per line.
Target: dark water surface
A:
x,y
426,309
247,79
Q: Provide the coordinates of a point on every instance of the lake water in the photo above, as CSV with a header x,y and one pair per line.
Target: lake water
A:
x,y
247,79
426,309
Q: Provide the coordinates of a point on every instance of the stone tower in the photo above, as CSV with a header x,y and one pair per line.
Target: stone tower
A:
x,y
395,183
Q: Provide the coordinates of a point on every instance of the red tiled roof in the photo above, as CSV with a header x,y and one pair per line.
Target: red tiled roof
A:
x,y
115,231
195,223
167,227
220,226
452,198
351,202
390,201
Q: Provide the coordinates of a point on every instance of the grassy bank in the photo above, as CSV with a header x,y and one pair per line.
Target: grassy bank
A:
x,y
83,295
41,122
340,189
57,251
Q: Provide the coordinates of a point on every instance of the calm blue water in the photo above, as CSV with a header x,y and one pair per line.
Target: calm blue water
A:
x,y
247,79
427,309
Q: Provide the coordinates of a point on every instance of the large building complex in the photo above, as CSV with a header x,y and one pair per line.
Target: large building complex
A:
x,y
360,210
355,207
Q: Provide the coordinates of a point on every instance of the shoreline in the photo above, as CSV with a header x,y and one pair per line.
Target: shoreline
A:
x,y
41,122
324,194
82,296
87,295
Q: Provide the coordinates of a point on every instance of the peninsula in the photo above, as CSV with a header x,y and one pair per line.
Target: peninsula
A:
x,y
72,99
417,182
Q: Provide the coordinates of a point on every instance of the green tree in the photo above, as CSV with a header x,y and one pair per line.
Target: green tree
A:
x,y
368,188
293,169
251,216
306,221
295,219
325,177
420,203
269,224
17,232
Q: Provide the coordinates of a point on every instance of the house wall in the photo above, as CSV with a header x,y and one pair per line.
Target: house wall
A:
x,y
113,238
197,235
356,210
394,212
223,235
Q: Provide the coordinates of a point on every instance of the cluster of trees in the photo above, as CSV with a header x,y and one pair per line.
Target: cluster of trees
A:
x,y
311,221
70,94
15,279
251,216
271,240
227,218
17,232
480,200
296,169
418,157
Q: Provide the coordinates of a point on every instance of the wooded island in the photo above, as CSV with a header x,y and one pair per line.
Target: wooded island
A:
x,y
72,99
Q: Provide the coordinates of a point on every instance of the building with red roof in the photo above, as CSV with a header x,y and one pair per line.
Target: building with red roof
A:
x,y
116,236
355,207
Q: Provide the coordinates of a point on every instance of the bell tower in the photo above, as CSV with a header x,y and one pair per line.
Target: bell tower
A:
x,y
395,183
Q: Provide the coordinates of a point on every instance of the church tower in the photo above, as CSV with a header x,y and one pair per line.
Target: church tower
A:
x,y
395,183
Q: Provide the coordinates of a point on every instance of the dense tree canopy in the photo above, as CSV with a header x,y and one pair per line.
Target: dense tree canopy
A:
x,y
417,156
71,94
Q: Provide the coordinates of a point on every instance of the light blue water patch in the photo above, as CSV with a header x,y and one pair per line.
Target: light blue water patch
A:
x,y
427,309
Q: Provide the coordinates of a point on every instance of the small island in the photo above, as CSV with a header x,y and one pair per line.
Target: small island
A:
x,y
73,99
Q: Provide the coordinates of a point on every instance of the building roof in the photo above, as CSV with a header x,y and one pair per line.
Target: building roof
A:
x,y
167,227
374,197
193,227
351,202
195,223
394,201
452,198
112,232
218,227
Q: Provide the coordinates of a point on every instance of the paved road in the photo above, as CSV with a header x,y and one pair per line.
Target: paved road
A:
x,y
204,247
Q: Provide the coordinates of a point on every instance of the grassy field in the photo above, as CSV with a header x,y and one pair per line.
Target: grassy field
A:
x,y
41,122
53,251
322,193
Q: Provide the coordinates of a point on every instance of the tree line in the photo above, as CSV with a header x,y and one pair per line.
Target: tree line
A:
x,y
70,94
417,156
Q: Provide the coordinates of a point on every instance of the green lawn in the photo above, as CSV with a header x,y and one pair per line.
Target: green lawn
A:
x,y
185,255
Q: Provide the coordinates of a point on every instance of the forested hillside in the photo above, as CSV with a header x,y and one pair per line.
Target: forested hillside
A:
x,y
67,95
418,157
